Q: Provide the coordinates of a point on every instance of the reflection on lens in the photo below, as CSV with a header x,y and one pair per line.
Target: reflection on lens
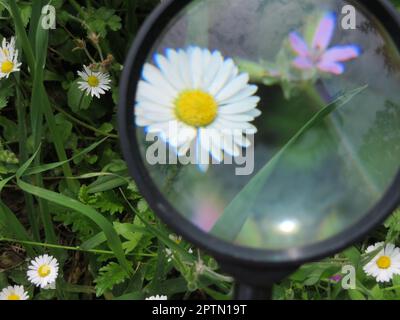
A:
x,y
288,226
267,123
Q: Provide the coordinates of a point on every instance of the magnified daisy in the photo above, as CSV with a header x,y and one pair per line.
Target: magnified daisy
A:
x,y
14,293
317,55
385,264
43,271
201,95
8,58
94,83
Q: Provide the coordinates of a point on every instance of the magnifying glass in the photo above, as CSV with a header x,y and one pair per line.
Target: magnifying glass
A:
x,y
266,132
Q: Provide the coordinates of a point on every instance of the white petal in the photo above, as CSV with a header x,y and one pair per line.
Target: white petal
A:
x,y
151,93
245,93
170,71
233,87
241,117
225,73
196,66
240,107
212,69
230,147
154,76
182,59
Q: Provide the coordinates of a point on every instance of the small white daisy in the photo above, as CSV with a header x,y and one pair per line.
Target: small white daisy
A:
x,y
43,271
94,83
8,58
203,98
385,264
175,238
14,293
157,297
168,254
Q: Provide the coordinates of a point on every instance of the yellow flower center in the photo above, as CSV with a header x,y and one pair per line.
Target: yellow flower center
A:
x,y
384,262
93,81
7,66
13,297
196,108
44,271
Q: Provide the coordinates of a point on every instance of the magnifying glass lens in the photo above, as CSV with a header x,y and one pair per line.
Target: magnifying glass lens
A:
x,y
271,124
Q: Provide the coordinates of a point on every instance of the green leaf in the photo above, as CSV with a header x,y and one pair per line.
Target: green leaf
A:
x,y
396,283
107,182
26,10
113,240
353,254
21,35
356,295
102,19
14,226
77,99
10,129
376,293
236,213
51,166
109,276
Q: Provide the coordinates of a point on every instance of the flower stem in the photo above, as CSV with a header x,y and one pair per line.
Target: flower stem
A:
x,y
77,7
85,125
56,246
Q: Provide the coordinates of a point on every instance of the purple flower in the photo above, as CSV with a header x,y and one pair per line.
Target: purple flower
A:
x,y
336,278
318,55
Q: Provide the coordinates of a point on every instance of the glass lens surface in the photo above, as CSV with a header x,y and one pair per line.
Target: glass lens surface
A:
x,y
271,124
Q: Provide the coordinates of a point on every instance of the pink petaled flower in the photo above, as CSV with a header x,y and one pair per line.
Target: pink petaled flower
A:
x,y
336,278
318,55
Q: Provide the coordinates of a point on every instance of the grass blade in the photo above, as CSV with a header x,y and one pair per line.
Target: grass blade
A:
x,y
21,35
8,218
113,239
236,213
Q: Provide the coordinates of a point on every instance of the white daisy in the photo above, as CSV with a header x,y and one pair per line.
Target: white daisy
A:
x,y
43,271
157,297
94,83
8,58
168,254
204,97
385,264
14,293
175,238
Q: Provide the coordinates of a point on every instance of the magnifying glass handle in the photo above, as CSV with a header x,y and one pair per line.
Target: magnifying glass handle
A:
x,y
247,292
255,282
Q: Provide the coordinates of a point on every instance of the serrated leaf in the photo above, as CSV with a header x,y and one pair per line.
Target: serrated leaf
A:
x,y
109,276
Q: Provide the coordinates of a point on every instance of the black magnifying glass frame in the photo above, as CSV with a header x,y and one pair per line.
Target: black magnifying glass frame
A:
x,y
253,267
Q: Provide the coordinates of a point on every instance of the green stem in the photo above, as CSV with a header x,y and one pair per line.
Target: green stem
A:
x,y
96,45
23,156
23,38
83,124
77,7
58,144
69,248
391,288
